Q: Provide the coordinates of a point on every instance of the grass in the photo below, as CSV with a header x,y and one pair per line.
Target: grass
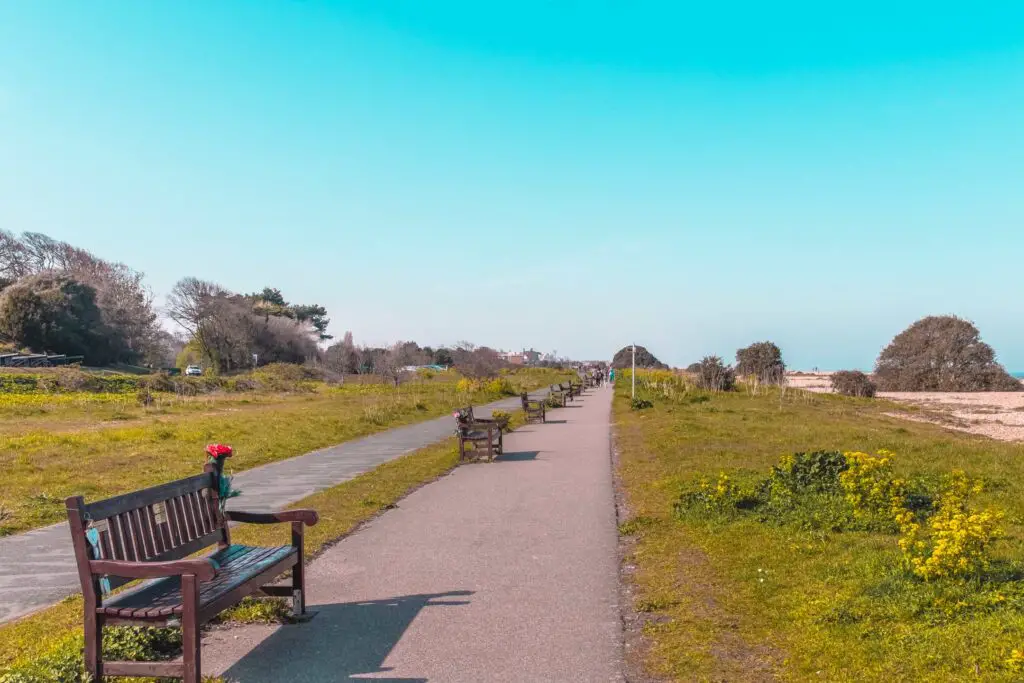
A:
x,y
99,445
741,600
342,509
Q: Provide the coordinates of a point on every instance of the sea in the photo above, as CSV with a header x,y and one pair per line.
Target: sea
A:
x,y
1018,375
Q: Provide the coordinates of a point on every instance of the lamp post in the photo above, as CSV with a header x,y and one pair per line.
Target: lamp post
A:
x,y
634,371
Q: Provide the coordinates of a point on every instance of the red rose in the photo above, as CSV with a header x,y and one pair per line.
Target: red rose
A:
x,y
218,451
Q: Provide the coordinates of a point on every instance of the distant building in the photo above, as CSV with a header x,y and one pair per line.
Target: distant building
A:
x,y
523,357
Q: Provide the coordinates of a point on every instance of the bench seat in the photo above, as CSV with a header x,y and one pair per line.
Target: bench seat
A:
x,y
161,598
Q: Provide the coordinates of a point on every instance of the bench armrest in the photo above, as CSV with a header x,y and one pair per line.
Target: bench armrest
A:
x,y
307,517
203,569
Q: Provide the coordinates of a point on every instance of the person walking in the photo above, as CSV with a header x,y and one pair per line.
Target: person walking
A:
x,y
611,377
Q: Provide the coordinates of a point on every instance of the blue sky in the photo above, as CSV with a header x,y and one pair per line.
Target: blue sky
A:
x,y
564,174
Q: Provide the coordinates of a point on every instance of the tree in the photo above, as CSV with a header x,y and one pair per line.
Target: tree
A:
x,y
761,361
443,357
51,313
343,357
316,316
230,329
623,360
941,353
714,375
125,304
477,361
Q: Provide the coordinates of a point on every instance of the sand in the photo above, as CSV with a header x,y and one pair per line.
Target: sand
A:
x,y
995,414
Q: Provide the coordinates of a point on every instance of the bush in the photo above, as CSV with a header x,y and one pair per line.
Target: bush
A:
x,y
713,375
644,359
853,383
940,537
761,361
640,404
693,368
500,386
941,353
55,314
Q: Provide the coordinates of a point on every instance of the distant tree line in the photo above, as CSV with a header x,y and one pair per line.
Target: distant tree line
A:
x,y
61,299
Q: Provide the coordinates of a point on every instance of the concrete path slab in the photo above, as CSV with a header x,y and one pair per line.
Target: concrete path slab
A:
x,y
501,571
37,568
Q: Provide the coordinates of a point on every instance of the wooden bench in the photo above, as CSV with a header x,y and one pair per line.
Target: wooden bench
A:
x,y
558,394
576,388
535,409
485,434
567,389
148,534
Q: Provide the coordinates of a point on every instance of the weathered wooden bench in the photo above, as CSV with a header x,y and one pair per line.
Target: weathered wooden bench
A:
x,y
558,394
535,409
567,389
576,388
148,534
484,434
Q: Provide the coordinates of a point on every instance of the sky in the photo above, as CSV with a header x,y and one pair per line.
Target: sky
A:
x,y
567,175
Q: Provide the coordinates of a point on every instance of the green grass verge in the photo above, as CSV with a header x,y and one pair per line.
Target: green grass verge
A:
x,y
745,600
68,452
32,647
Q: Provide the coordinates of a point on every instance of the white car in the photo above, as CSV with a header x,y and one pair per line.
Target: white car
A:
x,y
193,371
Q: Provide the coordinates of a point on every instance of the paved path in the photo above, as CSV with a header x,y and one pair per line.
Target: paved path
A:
x,y
37,568
498,572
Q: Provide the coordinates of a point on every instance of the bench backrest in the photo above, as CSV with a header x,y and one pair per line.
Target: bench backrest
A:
x,y
159,524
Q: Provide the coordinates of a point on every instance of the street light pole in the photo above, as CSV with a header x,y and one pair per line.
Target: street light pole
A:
x,y
634,371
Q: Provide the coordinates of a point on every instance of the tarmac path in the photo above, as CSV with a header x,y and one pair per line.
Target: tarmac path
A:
x,y
503,571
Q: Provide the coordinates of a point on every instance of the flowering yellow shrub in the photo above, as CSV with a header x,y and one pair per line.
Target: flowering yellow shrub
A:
x,y
955,540
466,385
869,486
500,386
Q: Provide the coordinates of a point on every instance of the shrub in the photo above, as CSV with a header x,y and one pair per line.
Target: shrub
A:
x,y
693,368
761,361
640,404
623,359
500,386
955,541
874,495
145,397
713,375
853,383
54,313
722,498
941,353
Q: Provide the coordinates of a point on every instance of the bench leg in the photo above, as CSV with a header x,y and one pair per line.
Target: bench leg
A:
x,y
191,655
298,572
93,644
462,450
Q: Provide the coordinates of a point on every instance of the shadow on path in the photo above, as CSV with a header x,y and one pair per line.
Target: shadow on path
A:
x,y
343,641
518,455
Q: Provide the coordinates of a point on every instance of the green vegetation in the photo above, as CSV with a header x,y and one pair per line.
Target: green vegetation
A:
x,y
100,445
813,537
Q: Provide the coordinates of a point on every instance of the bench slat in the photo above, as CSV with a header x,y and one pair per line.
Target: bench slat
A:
x,y
102,509
162,597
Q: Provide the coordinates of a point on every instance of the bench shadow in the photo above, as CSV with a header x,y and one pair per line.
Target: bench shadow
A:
x,y
556,422
344,640
516,456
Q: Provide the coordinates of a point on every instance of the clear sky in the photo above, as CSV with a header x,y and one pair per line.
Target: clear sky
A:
x,y
566,174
